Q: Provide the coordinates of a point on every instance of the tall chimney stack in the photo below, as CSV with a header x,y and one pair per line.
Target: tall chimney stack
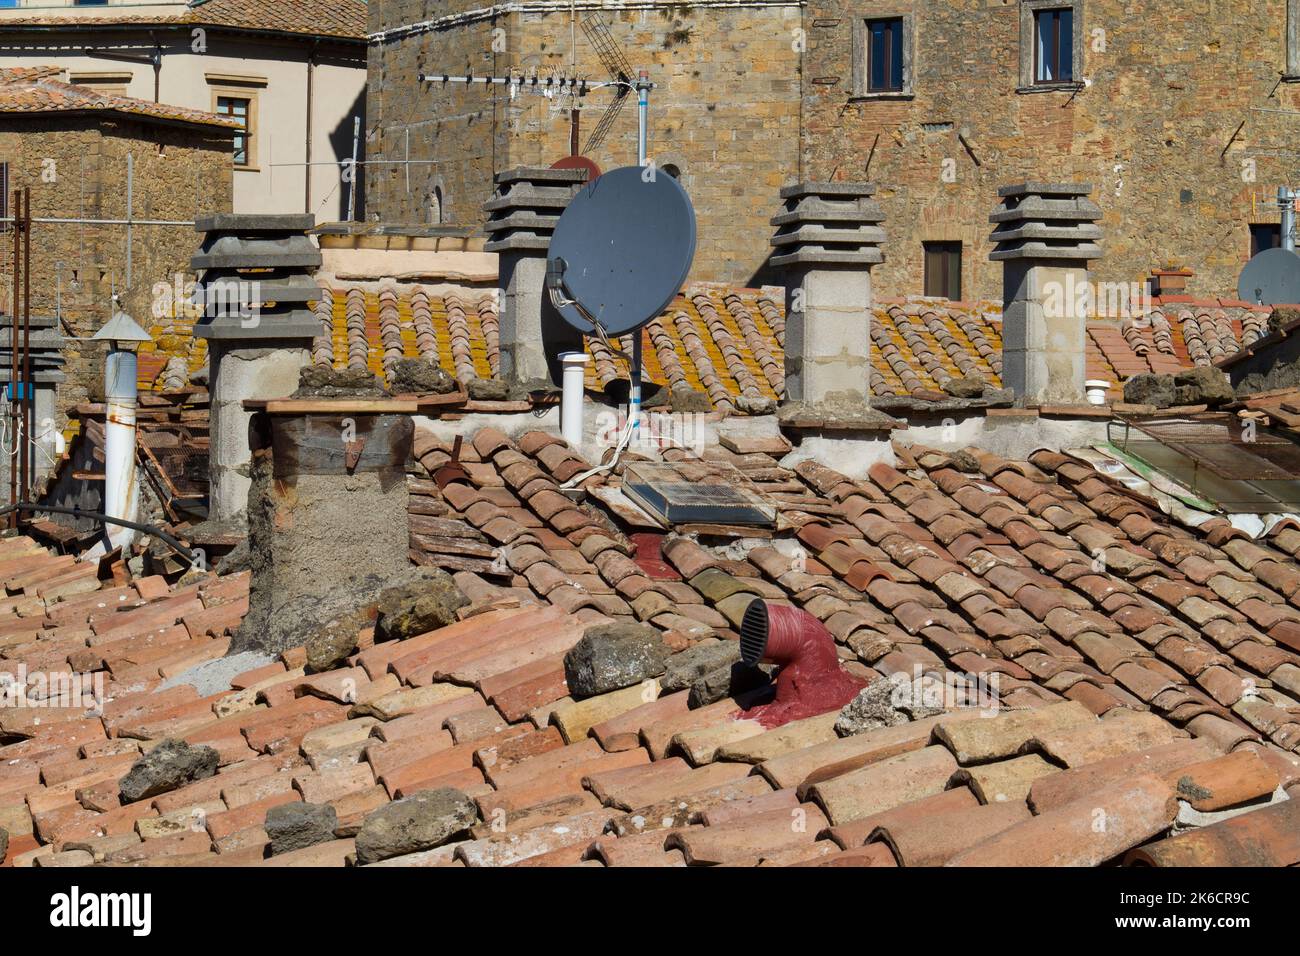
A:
x,y
522,216
1046,234
828,237
256,286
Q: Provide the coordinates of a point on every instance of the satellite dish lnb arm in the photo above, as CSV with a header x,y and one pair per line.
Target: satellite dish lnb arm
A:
x,y
560,297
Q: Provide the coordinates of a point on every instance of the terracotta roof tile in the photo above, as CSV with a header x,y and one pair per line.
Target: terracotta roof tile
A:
x,y
38,90
1117,638
332,18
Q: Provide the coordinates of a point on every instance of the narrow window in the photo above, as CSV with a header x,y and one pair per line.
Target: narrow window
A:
x,y
1264,235
237,108
943,270
4,196
885,55
1054,46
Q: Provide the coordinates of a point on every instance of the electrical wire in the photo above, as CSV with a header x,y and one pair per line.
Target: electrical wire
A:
x,y
10,443
181,549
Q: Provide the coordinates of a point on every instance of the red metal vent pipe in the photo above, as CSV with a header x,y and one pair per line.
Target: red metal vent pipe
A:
x,y
810,681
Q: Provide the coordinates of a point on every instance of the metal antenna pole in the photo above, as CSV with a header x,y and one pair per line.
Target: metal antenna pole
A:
x,y
356,146
29,397
13,356
1286,202
643,87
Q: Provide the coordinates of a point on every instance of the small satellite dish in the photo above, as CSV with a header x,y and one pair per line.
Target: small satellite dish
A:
x,y
1271,278
622,250
579,162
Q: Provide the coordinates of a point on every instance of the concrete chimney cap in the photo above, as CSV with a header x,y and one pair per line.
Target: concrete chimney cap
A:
x,y
121,328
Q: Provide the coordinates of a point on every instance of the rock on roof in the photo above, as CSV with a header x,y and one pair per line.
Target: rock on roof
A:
x,y
38,90
344,19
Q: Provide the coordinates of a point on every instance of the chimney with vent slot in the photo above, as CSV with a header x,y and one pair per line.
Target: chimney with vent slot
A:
x,y
522,216
255,289
1046,234
827,239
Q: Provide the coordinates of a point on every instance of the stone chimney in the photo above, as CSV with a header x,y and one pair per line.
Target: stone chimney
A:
x,y
256,284
1045,234
828,237
328,526
522,216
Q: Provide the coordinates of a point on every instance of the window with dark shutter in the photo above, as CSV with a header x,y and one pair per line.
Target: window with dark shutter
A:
x,y
1264,235
943,270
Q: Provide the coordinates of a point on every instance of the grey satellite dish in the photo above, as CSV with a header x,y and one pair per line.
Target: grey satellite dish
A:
x,y
622,250
1272,277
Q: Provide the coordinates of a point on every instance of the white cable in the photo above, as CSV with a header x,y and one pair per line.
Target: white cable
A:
x,y
623,442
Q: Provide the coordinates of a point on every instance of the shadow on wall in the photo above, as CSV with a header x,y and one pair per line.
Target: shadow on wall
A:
x,y
767,274
336,208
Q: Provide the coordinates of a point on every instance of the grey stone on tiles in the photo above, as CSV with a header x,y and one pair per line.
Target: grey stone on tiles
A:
x,y
614,656
419,607
422,821
169,766
421,377
689,666
297,825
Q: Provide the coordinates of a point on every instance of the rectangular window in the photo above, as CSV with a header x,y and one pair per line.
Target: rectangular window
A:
x,y
238,108
1054,46
4,196
943,270
1264,235
885,56
882,55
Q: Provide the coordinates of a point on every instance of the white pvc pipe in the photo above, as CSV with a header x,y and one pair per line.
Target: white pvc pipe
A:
x,y
575,371
120,491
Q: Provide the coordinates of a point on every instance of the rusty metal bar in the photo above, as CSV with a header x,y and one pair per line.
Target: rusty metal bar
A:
x,y
13,359
29,398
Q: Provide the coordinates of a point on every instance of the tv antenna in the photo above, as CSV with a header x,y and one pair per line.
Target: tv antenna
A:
x,y
556,83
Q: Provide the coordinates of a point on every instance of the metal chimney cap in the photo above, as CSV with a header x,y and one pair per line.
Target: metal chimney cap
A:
x,y
121,328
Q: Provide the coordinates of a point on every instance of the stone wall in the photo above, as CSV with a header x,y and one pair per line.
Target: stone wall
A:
x,y
1168,128
76,168
725,112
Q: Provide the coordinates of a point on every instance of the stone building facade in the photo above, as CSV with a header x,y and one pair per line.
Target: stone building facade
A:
x,y
75,162
724,114
292,71
1184,120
